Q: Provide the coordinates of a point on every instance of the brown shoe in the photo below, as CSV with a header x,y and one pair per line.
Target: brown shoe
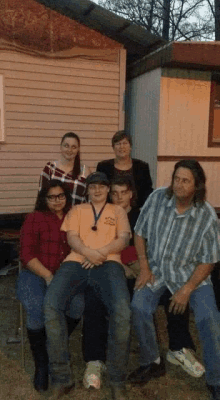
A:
x,y
119,392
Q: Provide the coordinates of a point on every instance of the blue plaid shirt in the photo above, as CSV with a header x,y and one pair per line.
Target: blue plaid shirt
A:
x,y
177,243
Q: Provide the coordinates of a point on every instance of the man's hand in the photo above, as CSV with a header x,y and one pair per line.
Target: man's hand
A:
x,y
179,300
93,257
143,278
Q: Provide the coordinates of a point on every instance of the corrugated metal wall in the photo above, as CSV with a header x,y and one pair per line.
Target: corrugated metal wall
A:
x,y
143,99
45,99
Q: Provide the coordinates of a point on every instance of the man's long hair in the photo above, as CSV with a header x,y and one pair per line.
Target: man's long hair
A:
x,y
199,176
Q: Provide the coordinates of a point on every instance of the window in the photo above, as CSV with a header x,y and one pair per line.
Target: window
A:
x,y
214,115
2,130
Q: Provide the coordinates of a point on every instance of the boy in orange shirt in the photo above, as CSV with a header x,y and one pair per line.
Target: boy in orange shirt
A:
x,y
97,232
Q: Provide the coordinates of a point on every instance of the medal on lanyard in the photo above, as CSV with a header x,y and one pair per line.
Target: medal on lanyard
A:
x,y
96,216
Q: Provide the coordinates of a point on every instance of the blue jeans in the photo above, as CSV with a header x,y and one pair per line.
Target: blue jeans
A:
x,y
31,290
109,282
207,318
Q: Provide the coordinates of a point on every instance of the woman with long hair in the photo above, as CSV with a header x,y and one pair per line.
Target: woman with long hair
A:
x,y
43,247
68,168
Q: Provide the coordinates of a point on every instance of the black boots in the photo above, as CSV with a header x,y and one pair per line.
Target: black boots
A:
x,y
71,324
37,339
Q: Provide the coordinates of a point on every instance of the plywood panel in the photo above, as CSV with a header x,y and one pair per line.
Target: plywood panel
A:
x,y
184,117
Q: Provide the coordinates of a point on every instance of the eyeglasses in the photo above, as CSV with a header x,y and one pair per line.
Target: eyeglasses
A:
x,y
53,197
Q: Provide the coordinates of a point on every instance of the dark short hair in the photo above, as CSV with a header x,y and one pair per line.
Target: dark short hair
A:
x,y
121,181
119,135
77,162
199,177
125,181
41,204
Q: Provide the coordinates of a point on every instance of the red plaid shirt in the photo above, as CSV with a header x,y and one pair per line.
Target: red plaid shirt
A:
x,y
77,188
42,238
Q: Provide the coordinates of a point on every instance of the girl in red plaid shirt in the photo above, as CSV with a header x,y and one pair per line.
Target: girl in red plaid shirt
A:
x,y
43,247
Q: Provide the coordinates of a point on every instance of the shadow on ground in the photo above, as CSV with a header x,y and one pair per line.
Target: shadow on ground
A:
x,y
16,382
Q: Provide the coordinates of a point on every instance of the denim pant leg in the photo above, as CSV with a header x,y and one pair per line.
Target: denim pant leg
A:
x,y
114,292
143,306
65,284
31,290
207,318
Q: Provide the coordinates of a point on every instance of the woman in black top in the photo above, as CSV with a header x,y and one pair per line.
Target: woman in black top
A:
x,y
123,165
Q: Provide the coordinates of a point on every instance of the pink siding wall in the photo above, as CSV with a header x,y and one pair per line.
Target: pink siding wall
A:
x,y
45,98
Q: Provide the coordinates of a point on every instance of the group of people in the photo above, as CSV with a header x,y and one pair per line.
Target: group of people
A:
x,y
105,245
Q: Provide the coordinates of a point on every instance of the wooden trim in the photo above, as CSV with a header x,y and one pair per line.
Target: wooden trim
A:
x,y
178,158
122,77
211,141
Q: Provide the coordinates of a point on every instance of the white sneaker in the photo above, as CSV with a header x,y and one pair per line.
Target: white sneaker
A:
x,y
185,358
92,375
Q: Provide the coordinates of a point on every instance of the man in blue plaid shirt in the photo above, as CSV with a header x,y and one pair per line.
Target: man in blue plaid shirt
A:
x,y
177,242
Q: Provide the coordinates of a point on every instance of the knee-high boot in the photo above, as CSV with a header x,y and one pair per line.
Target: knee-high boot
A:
x,y
37,339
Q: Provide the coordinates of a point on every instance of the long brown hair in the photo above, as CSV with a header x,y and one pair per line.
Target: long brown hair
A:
x,y
77,166
199,176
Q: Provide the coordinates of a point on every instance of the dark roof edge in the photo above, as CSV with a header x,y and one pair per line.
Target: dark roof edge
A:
x,y
150,61
204,56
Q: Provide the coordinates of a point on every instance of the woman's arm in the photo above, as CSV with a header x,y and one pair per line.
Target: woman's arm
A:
x,y
29,246
37,267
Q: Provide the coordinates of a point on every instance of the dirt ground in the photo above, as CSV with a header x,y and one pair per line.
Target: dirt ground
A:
x,y
16,382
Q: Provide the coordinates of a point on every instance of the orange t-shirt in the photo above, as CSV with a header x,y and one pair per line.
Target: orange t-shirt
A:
x,y
80,219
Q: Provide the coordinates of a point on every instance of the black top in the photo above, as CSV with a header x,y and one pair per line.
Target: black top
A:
x,y
141,175
133,215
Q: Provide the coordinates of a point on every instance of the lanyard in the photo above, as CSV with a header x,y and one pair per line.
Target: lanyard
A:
x,y
96,216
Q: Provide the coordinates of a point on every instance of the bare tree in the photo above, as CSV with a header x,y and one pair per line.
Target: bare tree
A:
x,y
214,9
171,19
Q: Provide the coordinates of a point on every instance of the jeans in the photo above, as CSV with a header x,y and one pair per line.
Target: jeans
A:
x,y
31,290
109,282
207,318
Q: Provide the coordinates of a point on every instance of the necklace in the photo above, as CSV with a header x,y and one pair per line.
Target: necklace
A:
x,y
96,216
